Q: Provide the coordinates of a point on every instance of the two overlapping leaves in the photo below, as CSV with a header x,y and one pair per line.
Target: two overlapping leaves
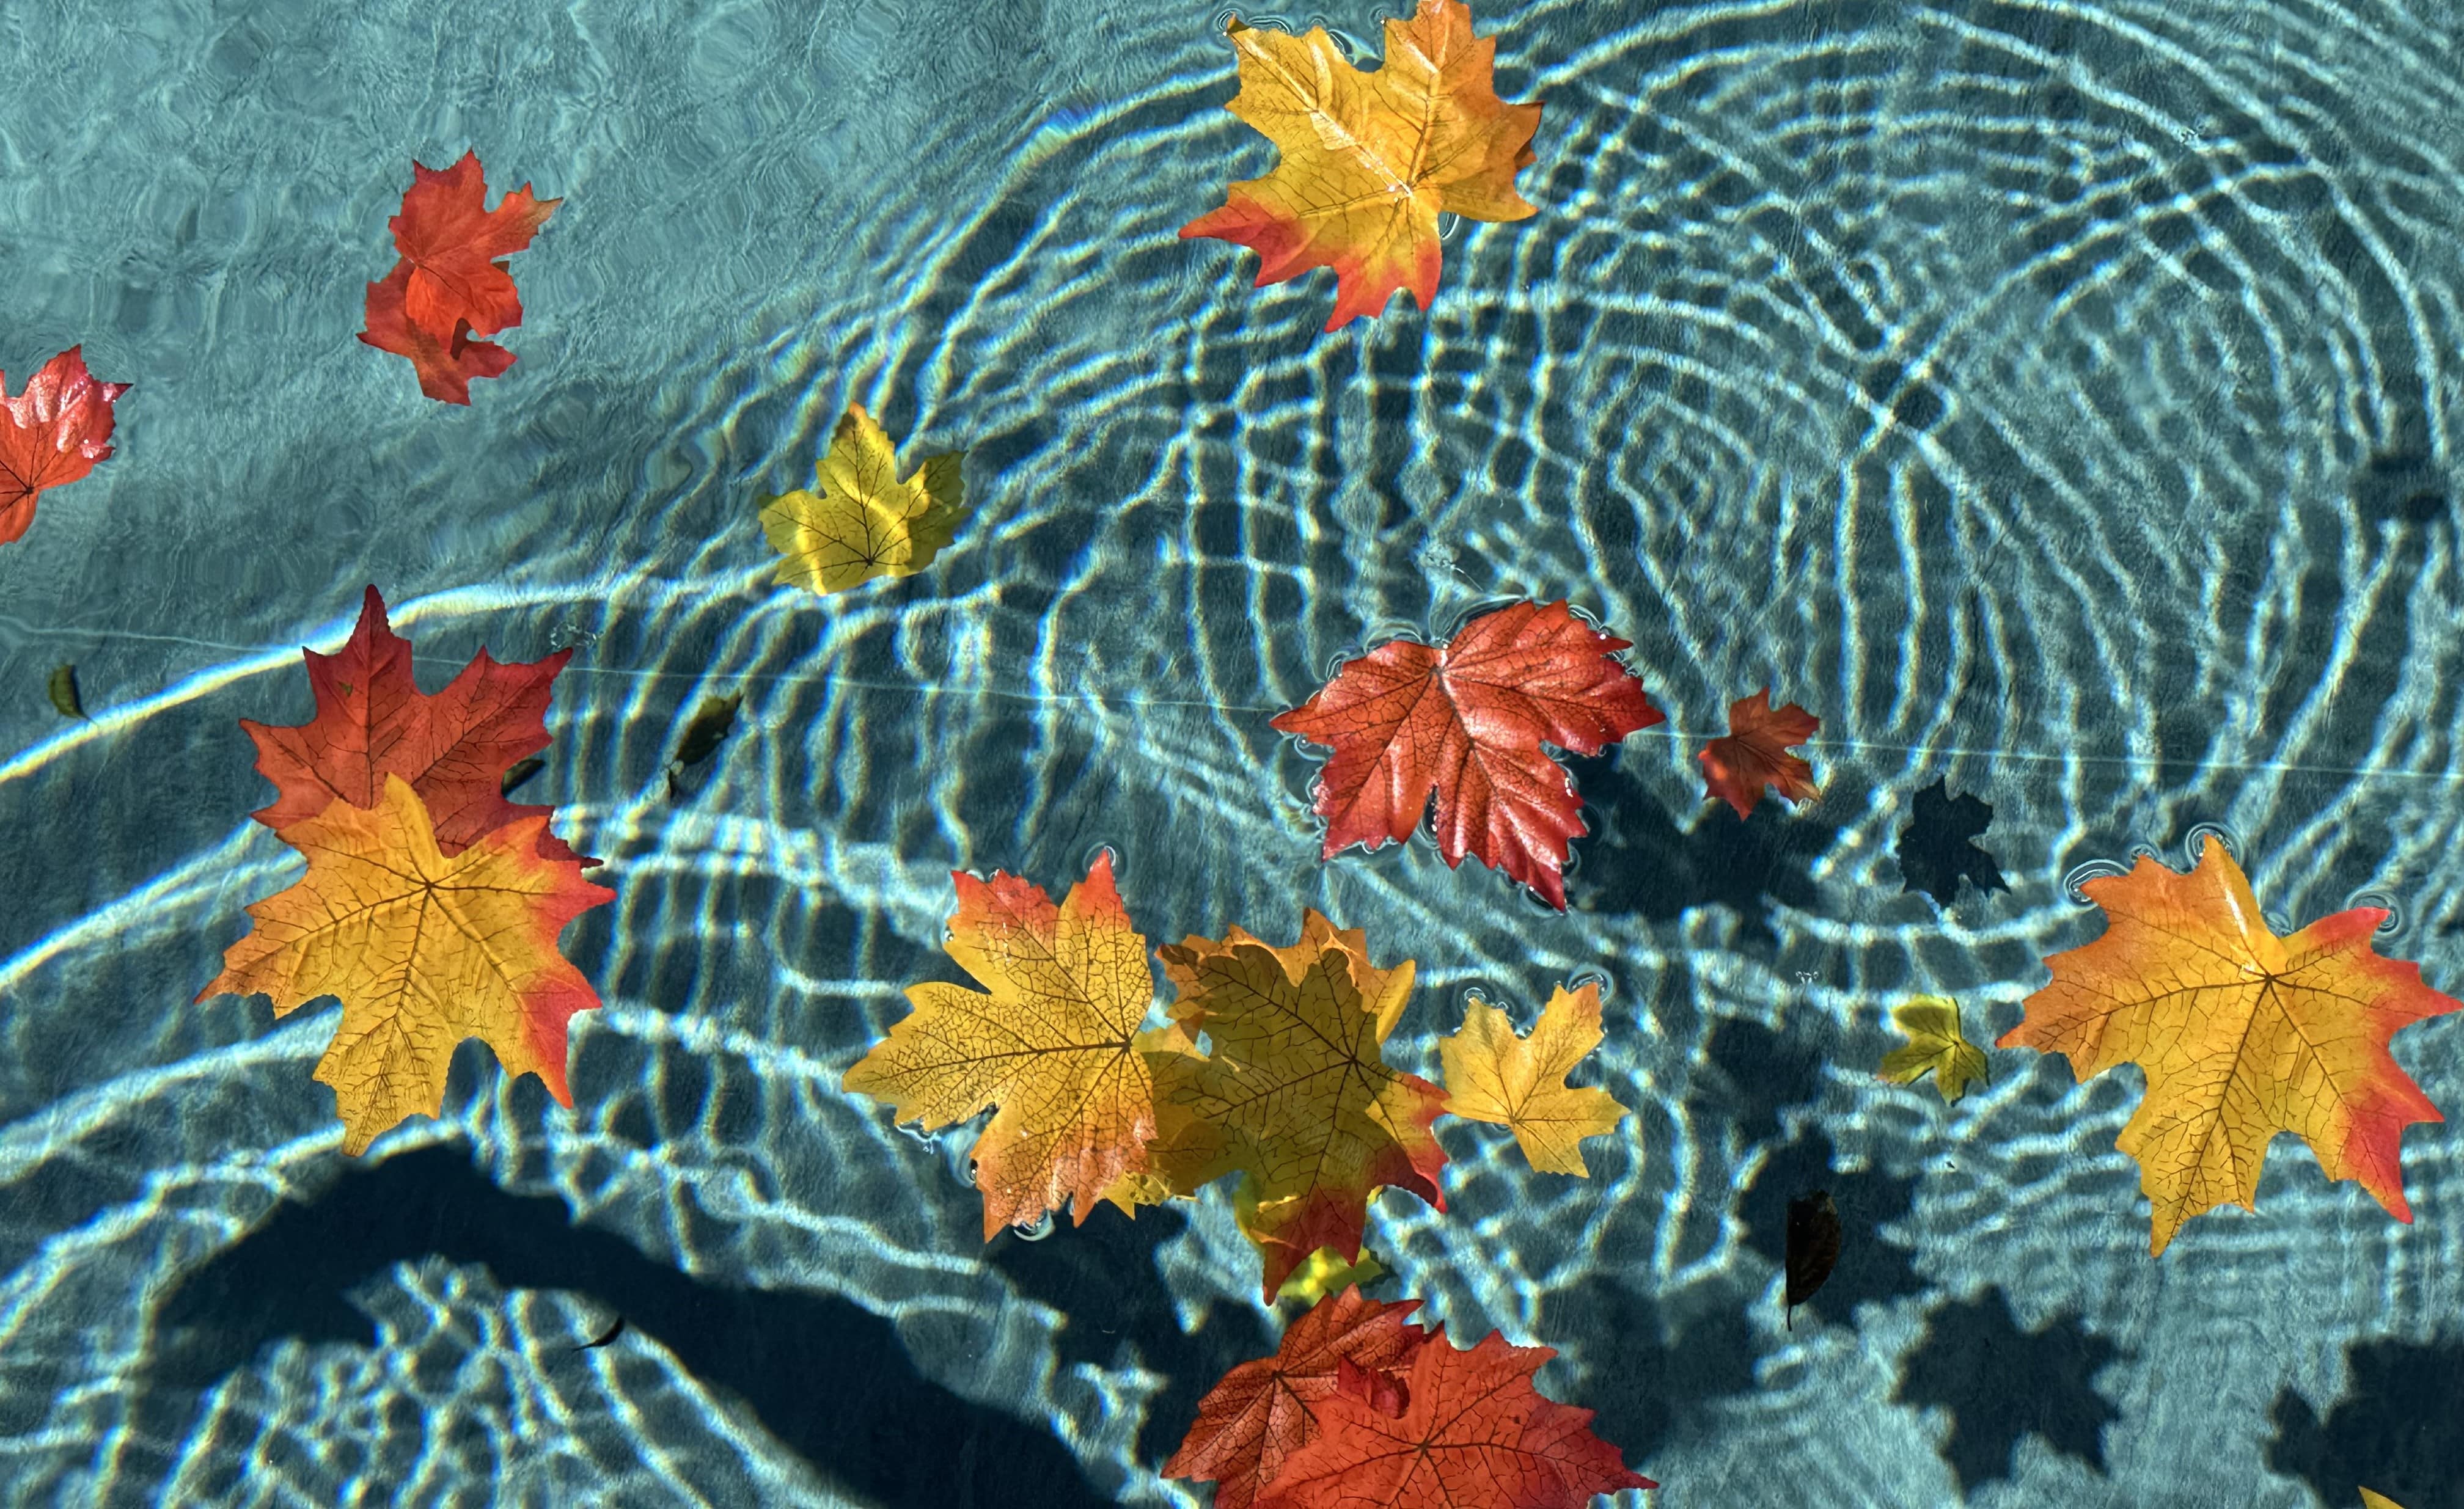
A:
x,y
1294,1095
433,905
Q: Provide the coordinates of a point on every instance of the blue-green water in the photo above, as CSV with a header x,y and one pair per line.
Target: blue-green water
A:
x,y
2055,398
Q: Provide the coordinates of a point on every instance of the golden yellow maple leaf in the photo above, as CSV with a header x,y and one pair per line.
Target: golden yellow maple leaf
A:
x,y
1052,1040
423,952
1935,1045
860,520
2242,1035
2371,1500
1369,159
1296,1094
1494,1076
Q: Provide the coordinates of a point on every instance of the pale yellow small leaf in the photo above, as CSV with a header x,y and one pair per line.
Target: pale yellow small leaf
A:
x,y
1494,1076
860,520
2371,1500
1935,1045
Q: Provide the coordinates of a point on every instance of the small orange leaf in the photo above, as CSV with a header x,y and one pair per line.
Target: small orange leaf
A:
x,y
1052,1039
423,951
2242,1035
1370,161
1753,753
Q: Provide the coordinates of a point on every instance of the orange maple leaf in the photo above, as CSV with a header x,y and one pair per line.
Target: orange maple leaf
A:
x,y
424,950
2242,1035
453,244
445,366
1296,1094
1053,1040
1753,753
56,430
1370,161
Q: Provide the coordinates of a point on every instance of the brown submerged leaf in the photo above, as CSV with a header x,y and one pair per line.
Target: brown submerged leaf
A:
x,y
1812,1247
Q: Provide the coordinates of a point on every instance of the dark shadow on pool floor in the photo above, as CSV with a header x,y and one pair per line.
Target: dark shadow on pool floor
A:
x,y
1638,861
1999,1382
830,1380
2394,1431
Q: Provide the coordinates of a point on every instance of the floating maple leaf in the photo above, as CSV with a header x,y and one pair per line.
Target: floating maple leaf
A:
x,y
1296,1094
56,429
1370,161
372,721
2242,1035
453,243
1052,1039
1934,849
1935,1046
1259,1413
1472,1433
423,950
1753,753
1494,1076
860,521
445,366
450,283
1465,722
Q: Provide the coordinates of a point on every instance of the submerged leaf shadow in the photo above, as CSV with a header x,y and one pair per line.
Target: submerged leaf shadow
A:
x,y
2394,1429
1637,860
1971,1351
831,1381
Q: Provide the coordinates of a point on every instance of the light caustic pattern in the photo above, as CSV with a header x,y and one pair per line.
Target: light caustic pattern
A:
x,y
2054,397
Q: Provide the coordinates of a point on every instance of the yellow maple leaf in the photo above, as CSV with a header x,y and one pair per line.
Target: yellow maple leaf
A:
x,y
423,952
1052,1039
2242,1035
2371,1500
858,521
1494,1076
1296,1094
1369,159
1935,1045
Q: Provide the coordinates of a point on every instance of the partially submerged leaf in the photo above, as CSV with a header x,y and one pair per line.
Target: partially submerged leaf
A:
x,y
1472,1433
710,726
1259,1413
1465,723
1753,753
519,773
1494,1076
1935,850
1297,1095
423,949
2242,1035
1935,1046
860,520
372,720
1370,161
61,684
1052,1039
1812,1247
54,433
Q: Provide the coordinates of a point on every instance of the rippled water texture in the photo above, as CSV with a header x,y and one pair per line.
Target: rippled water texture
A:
x,y
2058,399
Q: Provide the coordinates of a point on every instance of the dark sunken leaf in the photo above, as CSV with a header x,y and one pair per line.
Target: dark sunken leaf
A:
x,y
523,770
607,1336
1812,1247
63,689
709,726
1934,850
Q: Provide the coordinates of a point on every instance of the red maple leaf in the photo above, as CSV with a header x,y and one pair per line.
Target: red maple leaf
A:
x,y
1259,1413
453,243
372,720
1753,753
55,431
1473,1434
1466,721
445,367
